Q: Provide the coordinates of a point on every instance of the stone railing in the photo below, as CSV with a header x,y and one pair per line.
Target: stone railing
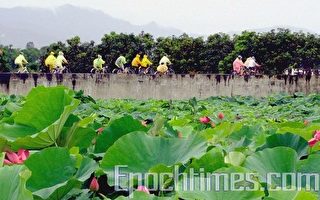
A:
x,y
175,86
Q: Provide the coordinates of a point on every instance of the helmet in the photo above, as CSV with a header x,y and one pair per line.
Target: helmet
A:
x,y
239,56
60,53
138,55
51,53
99,56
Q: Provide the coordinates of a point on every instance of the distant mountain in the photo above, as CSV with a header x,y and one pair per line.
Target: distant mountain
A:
x,y
20,25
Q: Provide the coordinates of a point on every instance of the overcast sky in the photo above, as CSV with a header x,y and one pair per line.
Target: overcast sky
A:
x,y
201,16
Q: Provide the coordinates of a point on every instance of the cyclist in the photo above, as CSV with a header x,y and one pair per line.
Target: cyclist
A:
x,y
162,69
163,65
60,61
50,61
20,61
136,62
251,64
145,63
238,65
165,61
120,62
98,64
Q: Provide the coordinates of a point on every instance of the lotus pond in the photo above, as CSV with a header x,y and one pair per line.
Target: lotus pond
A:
x,y
58,144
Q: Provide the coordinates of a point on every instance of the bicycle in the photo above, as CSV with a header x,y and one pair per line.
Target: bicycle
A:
x,y
249,71
59,70
103,70
22,69
126,70
148,70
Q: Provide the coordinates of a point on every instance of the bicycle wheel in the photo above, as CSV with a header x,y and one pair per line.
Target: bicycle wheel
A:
x,y
151,71
171,71
141,71
116,71
66,70
128,70
93,71
107,70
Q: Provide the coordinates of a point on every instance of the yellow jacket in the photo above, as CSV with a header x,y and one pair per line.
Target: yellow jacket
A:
x,y
98,63
162,68
145,61
50,61
136,61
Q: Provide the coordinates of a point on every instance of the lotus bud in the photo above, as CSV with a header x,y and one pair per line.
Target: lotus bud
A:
x,y
94,185
204,120
221,116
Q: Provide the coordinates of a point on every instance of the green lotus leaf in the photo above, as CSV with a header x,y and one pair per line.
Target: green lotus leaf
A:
x,y
210,161
39,122
295,142
276,160
50,167
140,152
13,183
291,195
115,130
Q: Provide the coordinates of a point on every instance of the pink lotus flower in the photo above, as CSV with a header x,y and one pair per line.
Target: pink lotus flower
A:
x,y
316,134
220,115
143,189
316,138
312,142
12,158
204,120
94,185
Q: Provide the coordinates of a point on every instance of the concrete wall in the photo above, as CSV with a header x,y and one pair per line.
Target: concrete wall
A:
x,y
161,87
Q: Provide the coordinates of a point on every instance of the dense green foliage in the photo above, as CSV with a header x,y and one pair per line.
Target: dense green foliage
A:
x,y
276,50
72,137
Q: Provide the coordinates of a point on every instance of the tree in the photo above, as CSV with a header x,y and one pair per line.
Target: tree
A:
x,y
30,45
276,50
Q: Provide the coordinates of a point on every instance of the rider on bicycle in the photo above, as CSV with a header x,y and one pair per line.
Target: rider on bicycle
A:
x,y
20,61
251,64
238,65
120,62
145,63
163,65
50,61
60,61
98,64
136,62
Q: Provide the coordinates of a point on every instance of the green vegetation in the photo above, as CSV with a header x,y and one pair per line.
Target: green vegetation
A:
x,y
57,144
276,50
